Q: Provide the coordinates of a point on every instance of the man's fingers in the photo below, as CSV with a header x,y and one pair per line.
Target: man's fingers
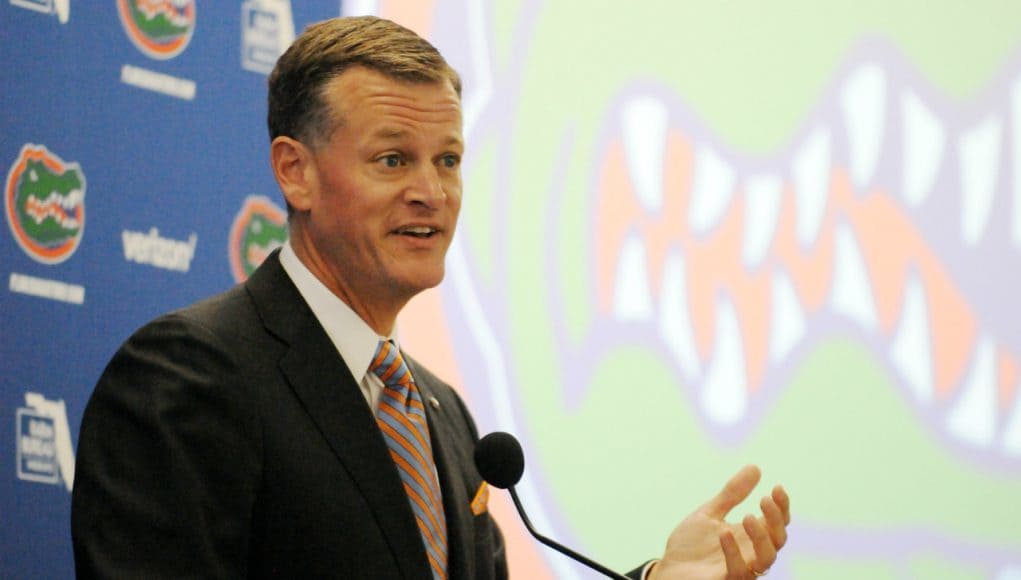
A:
x,y
736,566
784,502
765,551
734,492
774,521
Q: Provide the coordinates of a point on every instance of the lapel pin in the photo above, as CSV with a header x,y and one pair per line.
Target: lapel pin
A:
x,y
435,404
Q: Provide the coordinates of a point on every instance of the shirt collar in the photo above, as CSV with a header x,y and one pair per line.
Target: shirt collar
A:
x,y
353,338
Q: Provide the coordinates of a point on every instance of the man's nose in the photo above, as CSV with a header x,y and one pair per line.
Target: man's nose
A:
x,y
426,188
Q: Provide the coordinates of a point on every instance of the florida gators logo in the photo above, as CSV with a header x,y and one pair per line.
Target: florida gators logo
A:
x,y
45,204
259,228
159,28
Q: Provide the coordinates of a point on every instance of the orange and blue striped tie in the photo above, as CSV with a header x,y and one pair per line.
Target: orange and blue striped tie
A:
x,y
401,418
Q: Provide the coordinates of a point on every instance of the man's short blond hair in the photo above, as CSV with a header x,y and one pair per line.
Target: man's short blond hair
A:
x,y
297,107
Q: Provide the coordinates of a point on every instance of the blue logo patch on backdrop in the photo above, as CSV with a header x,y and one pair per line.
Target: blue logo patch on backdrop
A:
x,y
45,453
37,447
267,29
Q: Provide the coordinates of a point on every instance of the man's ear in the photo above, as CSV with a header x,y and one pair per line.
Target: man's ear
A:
x,y
295,171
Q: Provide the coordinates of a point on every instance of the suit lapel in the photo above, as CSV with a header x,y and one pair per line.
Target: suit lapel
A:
x,y
334,403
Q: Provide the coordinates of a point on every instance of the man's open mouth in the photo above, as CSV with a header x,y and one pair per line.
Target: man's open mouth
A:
x,y
418,231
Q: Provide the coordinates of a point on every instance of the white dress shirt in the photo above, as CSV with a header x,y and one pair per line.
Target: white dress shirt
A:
x,y
354,339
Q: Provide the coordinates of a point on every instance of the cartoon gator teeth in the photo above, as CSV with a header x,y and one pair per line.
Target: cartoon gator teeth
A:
x,y
173,11
55,206
872,226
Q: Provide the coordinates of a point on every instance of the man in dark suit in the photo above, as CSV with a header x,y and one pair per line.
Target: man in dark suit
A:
x,y
276,430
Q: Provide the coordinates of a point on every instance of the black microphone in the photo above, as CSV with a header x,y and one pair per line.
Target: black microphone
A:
x,y
500,462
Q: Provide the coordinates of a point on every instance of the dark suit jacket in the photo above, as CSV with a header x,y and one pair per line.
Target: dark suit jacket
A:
x,y
229,440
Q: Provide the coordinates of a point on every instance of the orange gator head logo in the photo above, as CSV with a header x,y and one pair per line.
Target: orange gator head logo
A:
x,y
159,28
259,228
44,197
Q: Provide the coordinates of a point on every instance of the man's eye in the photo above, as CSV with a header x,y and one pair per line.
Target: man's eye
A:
x,y
392,160
450,161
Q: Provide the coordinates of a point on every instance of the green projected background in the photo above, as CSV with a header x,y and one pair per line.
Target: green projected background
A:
x,y
783,233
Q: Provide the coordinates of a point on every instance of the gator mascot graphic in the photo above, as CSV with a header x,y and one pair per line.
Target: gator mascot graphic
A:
x,y
652,276
159,28
259,228
45,204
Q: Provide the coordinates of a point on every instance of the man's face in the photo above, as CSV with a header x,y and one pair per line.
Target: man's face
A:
x,y
386,186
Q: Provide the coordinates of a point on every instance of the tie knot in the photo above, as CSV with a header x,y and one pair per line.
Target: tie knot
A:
x,y
388,365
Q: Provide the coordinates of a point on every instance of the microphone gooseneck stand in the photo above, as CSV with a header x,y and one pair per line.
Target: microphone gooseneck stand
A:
x,y
558,547
501,462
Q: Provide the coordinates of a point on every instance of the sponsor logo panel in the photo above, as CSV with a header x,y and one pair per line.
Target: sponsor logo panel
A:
x,y
37,447
44,288
267,29
44,451
155,250
157,82
259,228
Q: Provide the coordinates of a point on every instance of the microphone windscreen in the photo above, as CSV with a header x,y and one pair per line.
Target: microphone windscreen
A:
x,y
499,459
